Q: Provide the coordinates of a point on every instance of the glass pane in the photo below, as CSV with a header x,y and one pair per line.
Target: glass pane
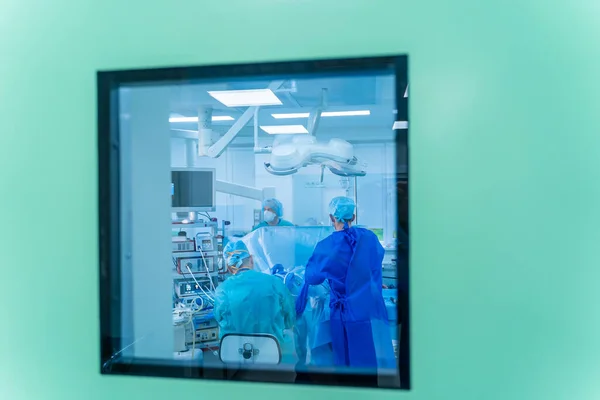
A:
x,y
261,225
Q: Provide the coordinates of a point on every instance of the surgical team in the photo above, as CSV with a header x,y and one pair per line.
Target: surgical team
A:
x,y
352,330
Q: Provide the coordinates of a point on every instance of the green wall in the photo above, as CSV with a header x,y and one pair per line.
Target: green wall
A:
x,y
505,117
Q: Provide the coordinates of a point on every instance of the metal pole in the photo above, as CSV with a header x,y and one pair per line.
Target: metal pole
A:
x,y
204,130
191,153
356,199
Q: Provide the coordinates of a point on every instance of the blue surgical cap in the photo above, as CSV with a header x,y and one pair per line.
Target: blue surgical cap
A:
x,y
274,205
342,208
235,253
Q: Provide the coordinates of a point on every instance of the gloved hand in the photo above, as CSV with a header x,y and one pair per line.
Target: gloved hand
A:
x,y
277,269
294,283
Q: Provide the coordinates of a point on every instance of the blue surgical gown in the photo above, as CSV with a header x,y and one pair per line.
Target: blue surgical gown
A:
x,y
312,327
350,260
282,222
251,302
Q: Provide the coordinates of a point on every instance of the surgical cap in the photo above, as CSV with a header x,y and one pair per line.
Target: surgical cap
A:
x,y
235,253
342,208
274,205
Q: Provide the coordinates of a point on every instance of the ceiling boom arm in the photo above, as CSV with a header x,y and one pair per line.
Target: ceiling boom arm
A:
x,y
216,149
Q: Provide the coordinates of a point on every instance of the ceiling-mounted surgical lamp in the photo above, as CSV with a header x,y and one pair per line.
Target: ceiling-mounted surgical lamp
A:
x,y
337,155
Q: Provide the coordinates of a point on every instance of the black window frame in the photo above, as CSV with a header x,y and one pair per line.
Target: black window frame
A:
x,y
108,143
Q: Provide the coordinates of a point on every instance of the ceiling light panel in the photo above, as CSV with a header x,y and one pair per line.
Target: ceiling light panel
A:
x,y
345,113
290,115
222,118
400,125
284,129
246,98
195,119
323,114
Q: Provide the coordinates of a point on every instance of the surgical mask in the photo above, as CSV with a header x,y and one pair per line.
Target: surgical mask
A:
x,y
270,216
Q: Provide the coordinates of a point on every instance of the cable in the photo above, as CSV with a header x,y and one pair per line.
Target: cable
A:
x,y
192,275
198,307
207,271
198,283
206,268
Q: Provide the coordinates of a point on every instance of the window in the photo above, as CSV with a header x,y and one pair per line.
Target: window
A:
x,y
221,256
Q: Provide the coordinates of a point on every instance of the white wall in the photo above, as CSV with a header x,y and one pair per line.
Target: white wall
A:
x,y
242,172
370,203
391,219
311,201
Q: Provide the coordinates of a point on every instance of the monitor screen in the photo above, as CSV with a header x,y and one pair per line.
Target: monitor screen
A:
x,y
193,189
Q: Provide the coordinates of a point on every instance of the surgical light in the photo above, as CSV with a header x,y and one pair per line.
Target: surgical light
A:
x,y
284,129
336,154
400,125
195,119
323,114
246,98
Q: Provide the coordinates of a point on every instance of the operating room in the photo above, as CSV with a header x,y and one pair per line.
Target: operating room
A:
x,y
207,166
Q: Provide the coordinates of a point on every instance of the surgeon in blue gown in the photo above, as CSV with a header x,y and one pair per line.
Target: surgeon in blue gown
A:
x,y
251,302
350,260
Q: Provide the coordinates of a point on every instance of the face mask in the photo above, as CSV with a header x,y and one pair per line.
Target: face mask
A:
x,y
269,216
